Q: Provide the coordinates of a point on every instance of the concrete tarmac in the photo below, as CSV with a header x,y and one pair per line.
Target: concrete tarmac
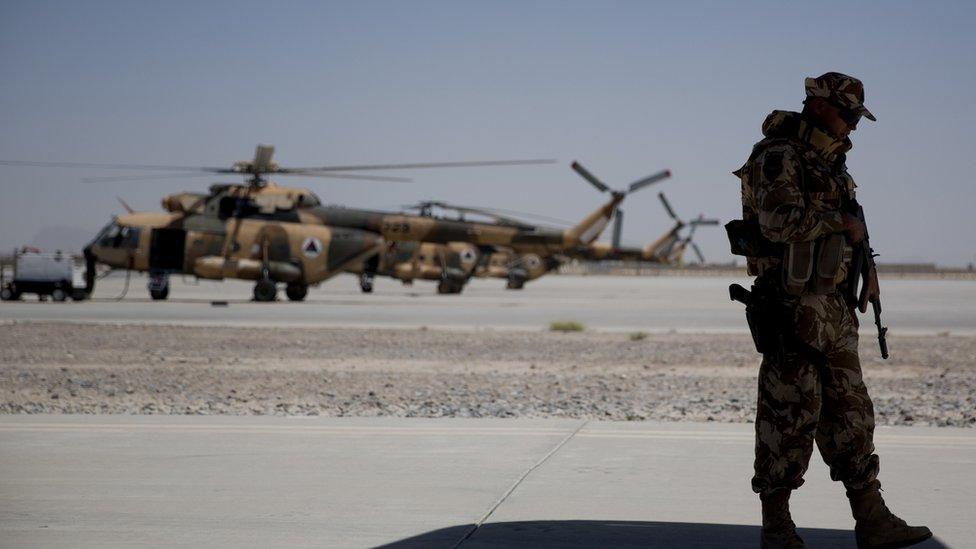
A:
x,y
123,481
605,303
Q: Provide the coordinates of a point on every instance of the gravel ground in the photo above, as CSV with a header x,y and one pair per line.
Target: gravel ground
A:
x,y
132,369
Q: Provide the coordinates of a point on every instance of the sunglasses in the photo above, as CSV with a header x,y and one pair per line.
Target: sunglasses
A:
x,y
849,117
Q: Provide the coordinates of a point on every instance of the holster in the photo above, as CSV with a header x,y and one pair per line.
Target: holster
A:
x,y
771,323
767,317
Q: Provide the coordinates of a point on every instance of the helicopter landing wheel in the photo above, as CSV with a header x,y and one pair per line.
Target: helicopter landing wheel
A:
x,y
296,292
449,287
265,290
366,283
160,294
515,284
158,287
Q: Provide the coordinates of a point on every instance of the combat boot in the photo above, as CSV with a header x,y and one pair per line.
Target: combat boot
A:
x,y
778,529
877,527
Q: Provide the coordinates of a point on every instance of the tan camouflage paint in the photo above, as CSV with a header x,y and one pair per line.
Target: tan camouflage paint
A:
x,y
284,242
239,251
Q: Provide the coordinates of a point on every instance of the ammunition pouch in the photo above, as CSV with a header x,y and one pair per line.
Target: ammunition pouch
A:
x,y
811,267
798,266
830,257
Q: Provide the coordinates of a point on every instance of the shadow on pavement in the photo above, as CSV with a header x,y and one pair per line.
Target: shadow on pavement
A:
x,y
609,533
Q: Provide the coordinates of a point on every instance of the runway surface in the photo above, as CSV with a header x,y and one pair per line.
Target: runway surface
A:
x,y
122,481
606,303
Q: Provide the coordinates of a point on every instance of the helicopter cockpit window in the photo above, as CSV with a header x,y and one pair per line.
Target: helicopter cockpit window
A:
x,y
308,200
129,237
115,236
109,235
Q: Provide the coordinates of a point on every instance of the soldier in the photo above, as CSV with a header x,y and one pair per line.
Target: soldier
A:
x,y
796,188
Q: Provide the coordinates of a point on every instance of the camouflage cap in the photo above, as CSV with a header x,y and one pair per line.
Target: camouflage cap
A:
x,y
841,90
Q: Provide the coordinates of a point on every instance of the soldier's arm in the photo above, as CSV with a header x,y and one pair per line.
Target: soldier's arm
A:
x,y
783,215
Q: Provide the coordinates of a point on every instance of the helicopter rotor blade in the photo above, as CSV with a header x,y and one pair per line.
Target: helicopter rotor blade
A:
x,y
585,174
111,166
262,158
127,207
701,258
667,207
424,205
348,176
445,206
618,222
701,221
496,213
540,217
421,165
262,163
649,180
126,178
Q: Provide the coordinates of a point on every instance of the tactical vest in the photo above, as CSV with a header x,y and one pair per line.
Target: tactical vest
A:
x,y
812,267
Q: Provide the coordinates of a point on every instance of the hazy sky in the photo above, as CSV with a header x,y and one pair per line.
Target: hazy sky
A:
x,y
627,88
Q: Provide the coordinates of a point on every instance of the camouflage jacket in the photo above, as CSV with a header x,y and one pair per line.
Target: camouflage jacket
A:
x,y
795,184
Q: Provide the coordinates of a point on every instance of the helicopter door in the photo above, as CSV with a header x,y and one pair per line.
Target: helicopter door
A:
x,y
166,249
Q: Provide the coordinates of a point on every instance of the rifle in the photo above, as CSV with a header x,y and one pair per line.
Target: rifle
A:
x,y
862,263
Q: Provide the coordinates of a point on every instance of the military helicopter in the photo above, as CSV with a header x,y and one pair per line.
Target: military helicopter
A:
x,y
452,264
255,231
670,248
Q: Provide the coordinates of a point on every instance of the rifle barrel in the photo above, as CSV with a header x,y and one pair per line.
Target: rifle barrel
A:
x,y
882,330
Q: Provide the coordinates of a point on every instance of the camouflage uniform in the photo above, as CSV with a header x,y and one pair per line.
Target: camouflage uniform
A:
x,y
795,185
795,190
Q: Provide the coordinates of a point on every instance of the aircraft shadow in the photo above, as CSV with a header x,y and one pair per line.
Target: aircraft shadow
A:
x,y
565,534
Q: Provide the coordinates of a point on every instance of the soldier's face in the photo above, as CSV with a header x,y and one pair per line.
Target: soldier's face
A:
x,y
840,124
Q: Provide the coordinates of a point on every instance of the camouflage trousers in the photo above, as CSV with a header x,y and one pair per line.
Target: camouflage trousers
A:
x,y
801,403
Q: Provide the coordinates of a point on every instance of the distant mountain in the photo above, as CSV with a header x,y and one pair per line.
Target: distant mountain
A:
x,y
63,237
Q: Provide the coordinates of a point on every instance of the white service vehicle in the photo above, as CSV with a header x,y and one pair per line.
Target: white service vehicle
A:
x,y
58,275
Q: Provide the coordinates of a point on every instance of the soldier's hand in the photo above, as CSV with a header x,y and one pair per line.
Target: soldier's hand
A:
x,y
853,228
870,292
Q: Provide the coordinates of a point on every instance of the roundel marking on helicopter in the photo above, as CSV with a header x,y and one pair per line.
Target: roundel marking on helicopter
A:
x,y
311,247
467,255
532,261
